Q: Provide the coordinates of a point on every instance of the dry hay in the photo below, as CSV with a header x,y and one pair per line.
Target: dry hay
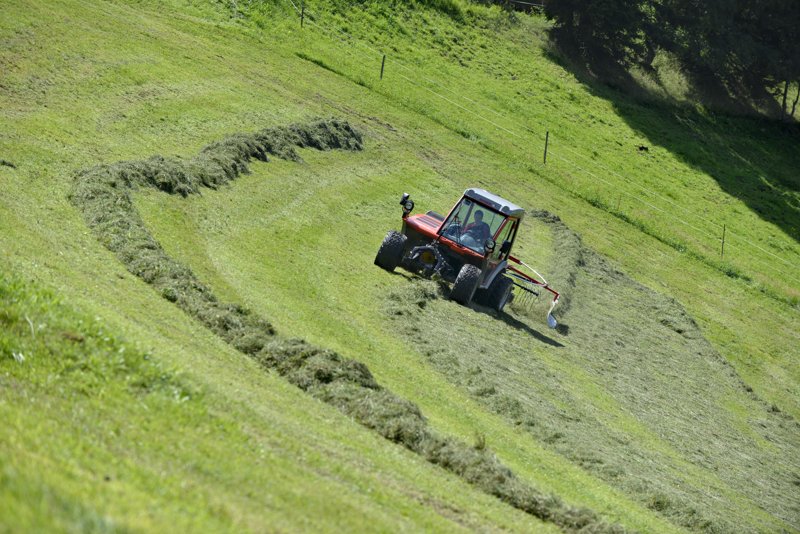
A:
x,y
631,391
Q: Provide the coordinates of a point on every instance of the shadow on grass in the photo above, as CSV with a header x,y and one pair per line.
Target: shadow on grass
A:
x,y
752,158
519,325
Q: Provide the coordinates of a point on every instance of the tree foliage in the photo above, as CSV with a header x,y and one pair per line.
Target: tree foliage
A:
x,y
602,31
742,50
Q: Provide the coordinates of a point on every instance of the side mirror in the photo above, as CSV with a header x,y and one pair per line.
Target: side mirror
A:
x,y
505,247
489,245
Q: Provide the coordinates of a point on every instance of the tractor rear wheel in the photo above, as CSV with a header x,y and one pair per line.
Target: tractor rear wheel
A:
x,y
499,293
390,253
465,285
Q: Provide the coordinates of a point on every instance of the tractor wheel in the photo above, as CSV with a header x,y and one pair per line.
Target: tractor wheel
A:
x,y
465,285
390,254
499,293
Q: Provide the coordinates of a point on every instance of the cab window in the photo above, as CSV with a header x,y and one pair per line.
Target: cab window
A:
x,y
471,224
506,234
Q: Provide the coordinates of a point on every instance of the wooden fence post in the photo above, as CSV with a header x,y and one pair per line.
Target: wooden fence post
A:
x,y
722,250
383,62
302,13
546,141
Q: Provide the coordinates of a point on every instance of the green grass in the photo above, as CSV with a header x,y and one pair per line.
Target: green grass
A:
x,y
95,83
603,397
103,195
100,435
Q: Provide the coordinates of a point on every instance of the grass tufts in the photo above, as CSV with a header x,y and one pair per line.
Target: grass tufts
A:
x,y
39,331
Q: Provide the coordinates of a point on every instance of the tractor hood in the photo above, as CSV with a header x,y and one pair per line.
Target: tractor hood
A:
x,y
498,203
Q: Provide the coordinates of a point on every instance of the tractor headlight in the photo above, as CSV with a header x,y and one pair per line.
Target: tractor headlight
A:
x,y
407,204
489,245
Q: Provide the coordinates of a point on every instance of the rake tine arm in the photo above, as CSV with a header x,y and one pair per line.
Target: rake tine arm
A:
x,y
532,280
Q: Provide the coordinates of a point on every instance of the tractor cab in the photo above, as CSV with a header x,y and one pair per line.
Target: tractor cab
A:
x,y
480,221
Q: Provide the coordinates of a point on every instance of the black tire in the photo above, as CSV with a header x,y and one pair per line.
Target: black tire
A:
x,y
390,253
481,297
465,285
499,293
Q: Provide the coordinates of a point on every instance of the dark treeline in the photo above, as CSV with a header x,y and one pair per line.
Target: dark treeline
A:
x,y
738,51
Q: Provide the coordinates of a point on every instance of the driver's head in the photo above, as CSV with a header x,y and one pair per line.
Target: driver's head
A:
x,y
478,216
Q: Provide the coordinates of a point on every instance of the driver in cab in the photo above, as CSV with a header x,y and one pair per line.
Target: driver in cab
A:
x,y
477,229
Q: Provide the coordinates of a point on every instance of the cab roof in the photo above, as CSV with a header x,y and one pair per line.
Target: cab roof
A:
x,y
498,203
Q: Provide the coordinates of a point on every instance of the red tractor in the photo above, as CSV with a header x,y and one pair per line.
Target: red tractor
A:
x,y
462,248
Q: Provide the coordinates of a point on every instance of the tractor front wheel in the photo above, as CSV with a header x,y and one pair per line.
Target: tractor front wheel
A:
x,y
499,293
465,285
390,254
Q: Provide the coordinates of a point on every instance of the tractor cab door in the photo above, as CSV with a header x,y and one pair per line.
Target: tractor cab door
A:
x,y
505,240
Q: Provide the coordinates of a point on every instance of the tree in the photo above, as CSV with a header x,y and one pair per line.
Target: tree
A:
x,y
743,52
770,32
602,32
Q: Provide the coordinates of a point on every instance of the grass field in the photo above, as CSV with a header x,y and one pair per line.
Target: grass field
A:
x,y
672,357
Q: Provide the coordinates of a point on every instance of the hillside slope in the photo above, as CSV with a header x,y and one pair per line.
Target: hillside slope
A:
x,y
603,414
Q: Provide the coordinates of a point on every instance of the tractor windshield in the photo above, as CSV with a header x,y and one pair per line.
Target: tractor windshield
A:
x,y
471,224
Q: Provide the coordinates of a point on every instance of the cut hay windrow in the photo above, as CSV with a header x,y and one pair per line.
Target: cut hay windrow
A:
x,y
655,375
103,195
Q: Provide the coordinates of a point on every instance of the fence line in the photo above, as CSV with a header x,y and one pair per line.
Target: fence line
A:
x,y
656,208
348,39
573,152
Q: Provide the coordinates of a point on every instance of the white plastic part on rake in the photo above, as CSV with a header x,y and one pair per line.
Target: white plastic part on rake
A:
x,y
527,279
